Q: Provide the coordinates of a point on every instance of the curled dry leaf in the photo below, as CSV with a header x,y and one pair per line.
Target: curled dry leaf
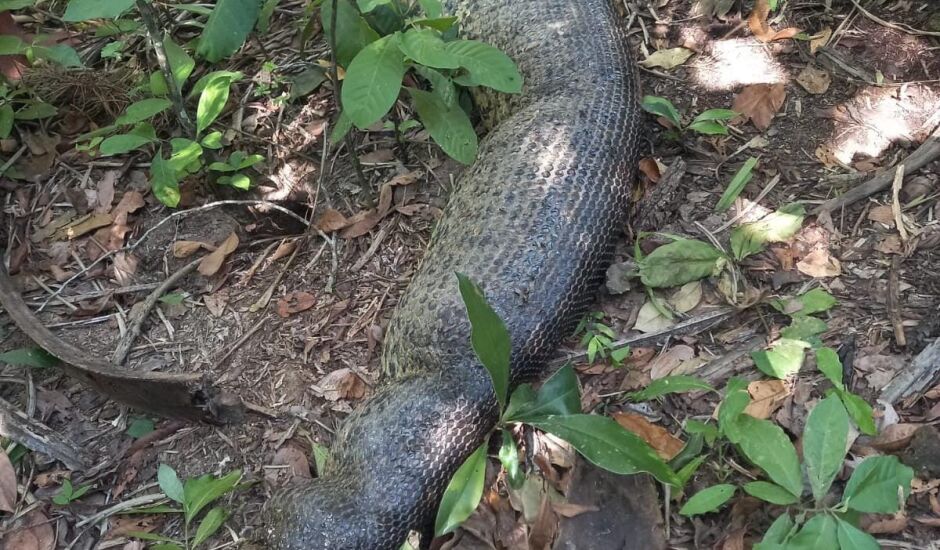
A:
x,y
895,437
331,220
664,443
105,190
882,214
650,169
296,461
813,80
757,22
766,397
185,249
7,484
86,225
820,39
364,221
885,524
284,249
819,263
760,103
295,303
377,156
124,266
210,265
668,58
342,384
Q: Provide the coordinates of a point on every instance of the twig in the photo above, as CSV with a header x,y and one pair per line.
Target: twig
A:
x,y
34,435
894,301
896,202
265,298
916,378
151,21
229,374
142,500
136,324
11,160
900,27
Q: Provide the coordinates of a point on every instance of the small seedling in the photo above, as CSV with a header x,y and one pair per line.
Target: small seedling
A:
x,y
710,122
68,494
598,339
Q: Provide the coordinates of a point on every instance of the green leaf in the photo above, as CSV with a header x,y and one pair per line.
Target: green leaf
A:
x,y
619,355
200,84
112,50
143,110
184,152
687,471
559,395
777,533
116,27
63,54
365,6
805,328
181,64
202,491
709,127
238,181
679,262
738,182
227,28
373,81
83,10
212,140
442,24
441,85
876,483
509,458
828,363
209,525
306,81
715,114
343,126
122,143
6,120
321,455
9,5
778,226
212,99
770,492
661,106
426,47
170,483
12,45
670,384
817,533
708,430
140,427
463,493
488,335
732,407
767,446
782,360
29,357
860,412
485,65
353,32
824,443
852,538
264,19
35,111
163,181
708,500
816,300
607,444
431,8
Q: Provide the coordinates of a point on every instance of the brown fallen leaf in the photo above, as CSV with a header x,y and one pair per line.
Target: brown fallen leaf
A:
x,y
124,268
342,384
284,249
664,443
216,303
377,156
766,397
294,459
331,220
882,214
827,156
295,303
84,225
890,244
650,169
820,39
185,249
122,526
883,524
757,22
813,80
210,265
130,202
895,437
363,222
570,509
760,102
105,190
819,263
7,484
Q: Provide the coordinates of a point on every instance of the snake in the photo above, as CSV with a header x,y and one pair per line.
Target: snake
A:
x,y
533,221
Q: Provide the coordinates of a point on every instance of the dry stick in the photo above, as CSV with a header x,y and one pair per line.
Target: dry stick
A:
x,y
894,302
900,27
896,202
151,21
927,152
136,324
30,433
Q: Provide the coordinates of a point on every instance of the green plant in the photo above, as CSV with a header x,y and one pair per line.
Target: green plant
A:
x,y
380,41
194,496
554,408
17,105
598,339
68,494
709,122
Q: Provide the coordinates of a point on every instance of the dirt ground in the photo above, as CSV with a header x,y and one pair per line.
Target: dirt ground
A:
x,y
291,323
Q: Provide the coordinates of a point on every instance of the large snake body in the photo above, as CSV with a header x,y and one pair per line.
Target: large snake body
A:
x,y
532,221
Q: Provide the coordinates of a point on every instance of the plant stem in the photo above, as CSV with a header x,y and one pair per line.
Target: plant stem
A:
x,y
155,34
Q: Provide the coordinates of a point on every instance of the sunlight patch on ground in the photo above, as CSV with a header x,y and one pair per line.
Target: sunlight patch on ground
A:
x,y
729,64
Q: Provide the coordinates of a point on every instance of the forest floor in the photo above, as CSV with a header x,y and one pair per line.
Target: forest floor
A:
x,y
291,321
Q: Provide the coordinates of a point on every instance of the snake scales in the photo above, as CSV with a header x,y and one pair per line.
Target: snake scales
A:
x,y
532,221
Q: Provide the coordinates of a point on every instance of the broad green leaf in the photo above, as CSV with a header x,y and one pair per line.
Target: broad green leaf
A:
x,y
264,19
828,363
227,28
184,153
805,328
343,126
200,84
63,54
181,64
824,443
122,143
164,181
852,538
140,427
661,106
816,534
485,65
450,127
782,360
709,127
209,525
116,27
8,5
687,471
365,6
170,483
373,81
29,357
816,300
509,458
777,226
860,412
559,395
35,111
488,336
306,81
706,429
738,182
212,100
708,500
770,492
607,444
679,262
426,47
767,446
353,33
241,161
715,114
12,45
143,110
202,491
6,120
431,8
83,10
462,494
619,355
441,85
212,140
876,483
670,384
238,181
442,24
112,50
157,85
777,533
732,407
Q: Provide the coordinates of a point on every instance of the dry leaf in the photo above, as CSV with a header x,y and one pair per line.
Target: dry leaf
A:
x,y
813,80
760,103
342,384
827,156
377,156
757,22
766,397
570,510
105,190
286,248
664,443
295,303
819,263
216,303
295,459
85,225
331,220
363,222
649,319
668,58
820,39
650,169
7,484
185,249
891,244
122,526
885,524
882,214
687,297
895,437
124,267
210,265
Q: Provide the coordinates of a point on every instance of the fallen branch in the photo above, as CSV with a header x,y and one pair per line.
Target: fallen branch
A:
x,y
915,379
34,435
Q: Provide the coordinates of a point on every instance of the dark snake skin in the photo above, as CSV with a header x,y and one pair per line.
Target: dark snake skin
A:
x,y
532,221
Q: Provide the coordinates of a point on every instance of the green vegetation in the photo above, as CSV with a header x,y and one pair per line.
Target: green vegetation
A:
x,y
67,493
709,122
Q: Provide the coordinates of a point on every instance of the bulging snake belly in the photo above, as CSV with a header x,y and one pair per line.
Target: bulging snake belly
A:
x,y
532,221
